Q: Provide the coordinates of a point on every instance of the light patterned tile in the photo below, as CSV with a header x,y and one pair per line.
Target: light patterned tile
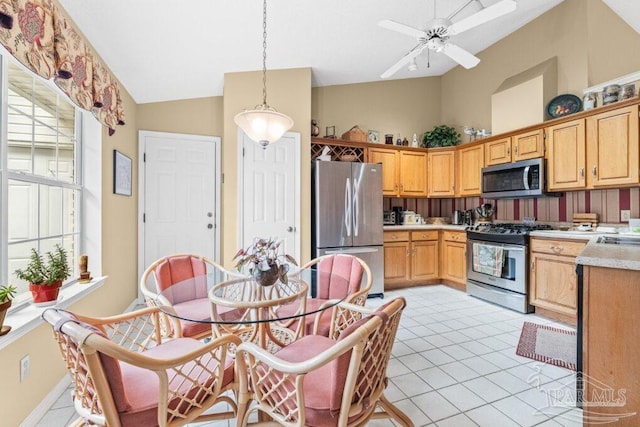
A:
x,y
436,378
520,412
459,420
435,406
490,416
411,384
461,397
487,390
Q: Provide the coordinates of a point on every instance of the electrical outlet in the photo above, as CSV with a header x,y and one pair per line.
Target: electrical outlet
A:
x,y
625,215
25,365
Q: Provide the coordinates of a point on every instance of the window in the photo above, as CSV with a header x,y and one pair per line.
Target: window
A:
x,y
43,180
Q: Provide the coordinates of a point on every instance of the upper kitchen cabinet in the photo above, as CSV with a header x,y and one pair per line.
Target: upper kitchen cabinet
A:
x,y
521,146
404,172
612,148
497,152
566,159
441,172
470,164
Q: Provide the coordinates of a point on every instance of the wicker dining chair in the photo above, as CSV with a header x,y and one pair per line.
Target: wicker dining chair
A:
x,y
339,276
322,381
167,271
126,373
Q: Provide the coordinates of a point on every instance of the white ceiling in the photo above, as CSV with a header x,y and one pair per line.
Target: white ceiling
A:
x,y
164,50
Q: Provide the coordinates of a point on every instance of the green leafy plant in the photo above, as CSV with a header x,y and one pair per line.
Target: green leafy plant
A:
x,y
45,270
440,136
7,293
263,255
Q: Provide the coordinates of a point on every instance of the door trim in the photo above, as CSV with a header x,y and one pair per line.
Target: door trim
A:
x,y
296,137
142,135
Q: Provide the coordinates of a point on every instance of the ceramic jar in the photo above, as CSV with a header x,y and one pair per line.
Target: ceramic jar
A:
x,y
589,101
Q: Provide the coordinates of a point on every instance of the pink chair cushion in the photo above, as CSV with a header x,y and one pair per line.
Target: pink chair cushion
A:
x,y
177,269
141,385
340,275
323,388
197,309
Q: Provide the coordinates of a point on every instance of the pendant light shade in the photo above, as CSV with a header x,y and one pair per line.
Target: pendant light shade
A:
x,y
263,124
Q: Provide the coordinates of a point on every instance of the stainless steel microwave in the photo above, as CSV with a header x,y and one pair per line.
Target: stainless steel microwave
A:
x,y
514,180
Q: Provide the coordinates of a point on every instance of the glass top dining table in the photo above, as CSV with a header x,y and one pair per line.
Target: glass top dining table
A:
x,y
240,305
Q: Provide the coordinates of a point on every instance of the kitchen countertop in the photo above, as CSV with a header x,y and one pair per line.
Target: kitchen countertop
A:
x,y
560,234
408,227
611,255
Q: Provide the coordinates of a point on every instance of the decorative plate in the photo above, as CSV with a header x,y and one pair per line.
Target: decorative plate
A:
x,y
373,136
563,105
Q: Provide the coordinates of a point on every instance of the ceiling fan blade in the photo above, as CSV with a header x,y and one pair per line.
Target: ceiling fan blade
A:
x,y
485,15
461,56
404,60
401,28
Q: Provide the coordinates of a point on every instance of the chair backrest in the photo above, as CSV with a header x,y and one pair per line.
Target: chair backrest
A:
x,y
340,275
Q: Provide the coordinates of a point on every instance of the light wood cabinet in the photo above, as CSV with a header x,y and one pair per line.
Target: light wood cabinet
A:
x,y
553,283
389,169
612,148
404,172
523,146
454,256
566,155
528,145
498,151
470,164
441,173
410,257
610,345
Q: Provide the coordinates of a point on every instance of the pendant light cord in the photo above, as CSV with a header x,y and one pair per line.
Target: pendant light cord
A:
x,y
264,53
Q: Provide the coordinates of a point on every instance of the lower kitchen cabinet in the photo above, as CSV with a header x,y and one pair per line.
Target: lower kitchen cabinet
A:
x,y
553,287
410,257
454,257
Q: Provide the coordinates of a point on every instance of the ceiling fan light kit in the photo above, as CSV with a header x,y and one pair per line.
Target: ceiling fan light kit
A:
x,y
435,36
263,124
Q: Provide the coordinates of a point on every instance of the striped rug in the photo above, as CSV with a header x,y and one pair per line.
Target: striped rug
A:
x,y
548,344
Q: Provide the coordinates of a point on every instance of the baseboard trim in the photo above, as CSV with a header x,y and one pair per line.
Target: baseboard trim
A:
x,y
43,407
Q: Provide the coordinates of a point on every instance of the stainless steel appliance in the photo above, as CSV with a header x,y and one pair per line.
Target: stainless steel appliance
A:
x,y
497,260
346,206
389,218
514,180
457,218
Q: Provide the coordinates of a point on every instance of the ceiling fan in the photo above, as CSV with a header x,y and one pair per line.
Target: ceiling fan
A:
x,y
435,36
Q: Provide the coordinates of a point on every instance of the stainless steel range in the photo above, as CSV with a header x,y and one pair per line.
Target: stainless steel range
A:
x,y
497,261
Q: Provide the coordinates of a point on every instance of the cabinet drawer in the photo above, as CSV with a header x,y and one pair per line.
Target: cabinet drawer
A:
x,y
557,247
424,235
396,236
454,236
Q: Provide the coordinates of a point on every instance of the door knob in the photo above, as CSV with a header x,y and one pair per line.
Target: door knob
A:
x,y
290,229
209,226
209,214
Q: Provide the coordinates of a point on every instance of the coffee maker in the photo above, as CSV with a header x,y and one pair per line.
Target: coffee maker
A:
x,y
468,217
398,214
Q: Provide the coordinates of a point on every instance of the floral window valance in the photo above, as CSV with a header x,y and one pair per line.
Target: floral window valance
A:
x,y
38,35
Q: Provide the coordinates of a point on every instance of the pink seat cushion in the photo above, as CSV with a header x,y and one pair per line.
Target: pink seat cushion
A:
x,y
141,385
196,309
178,269
323,388
339,276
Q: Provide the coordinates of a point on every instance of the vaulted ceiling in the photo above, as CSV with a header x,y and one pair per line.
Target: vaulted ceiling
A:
x,y
164,50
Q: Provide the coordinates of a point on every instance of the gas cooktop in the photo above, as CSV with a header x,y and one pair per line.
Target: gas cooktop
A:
x,y
517,233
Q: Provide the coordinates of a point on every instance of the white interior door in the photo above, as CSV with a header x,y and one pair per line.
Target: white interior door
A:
x,y
270,188
179,196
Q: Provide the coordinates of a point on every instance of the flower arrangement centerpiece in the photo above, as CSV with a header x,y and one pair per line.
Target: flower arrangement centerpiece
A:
x,y
265,261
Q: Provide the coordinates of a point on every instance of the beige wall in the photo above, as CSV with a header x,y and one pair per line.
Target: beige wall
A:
x,y
119,262
200,116
400,107
288,91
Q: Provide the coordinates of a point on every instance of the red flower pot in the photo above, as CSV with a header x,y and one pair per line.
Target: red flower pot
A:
x,y
45,293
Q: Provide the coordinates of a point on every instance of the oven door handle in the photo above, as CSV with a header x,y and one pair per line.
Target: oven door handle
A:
x,y
525,177
505,247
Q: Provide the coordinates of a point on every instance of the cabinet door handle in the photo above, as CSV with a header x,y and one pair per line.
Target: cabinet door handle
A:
x,y
581,172
533,265
401,187
508,150
515,149
594,171
395,186
556,248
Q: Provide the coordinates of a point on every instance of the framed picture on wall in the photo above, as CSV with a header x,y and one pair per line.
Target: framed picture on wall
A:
x,y
121,174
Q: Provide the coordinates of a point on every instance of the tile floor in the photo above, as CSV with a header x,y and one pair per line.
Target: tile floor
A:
x,y
454,364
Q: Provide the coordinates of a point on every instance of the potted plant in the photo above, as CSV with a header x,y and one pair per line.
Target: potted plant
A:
x,y
440,136
265,262
45,274
6,295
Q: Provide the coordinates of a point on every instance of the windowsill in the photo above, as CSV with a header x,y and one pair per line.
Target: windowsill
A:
x,y
30,317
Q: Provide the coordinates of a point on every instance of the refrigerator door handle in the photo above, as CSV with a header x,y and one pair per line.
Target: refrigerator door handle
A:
x,y
352,251
347,207
356,207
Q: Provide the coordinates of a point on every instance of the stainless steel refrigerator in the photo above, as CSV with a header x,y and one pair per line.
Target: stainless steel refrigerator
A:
x,y
347,214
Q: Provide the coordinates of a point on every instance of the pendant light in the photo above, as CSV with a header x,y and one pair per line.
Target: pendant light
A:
x,y
263,124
